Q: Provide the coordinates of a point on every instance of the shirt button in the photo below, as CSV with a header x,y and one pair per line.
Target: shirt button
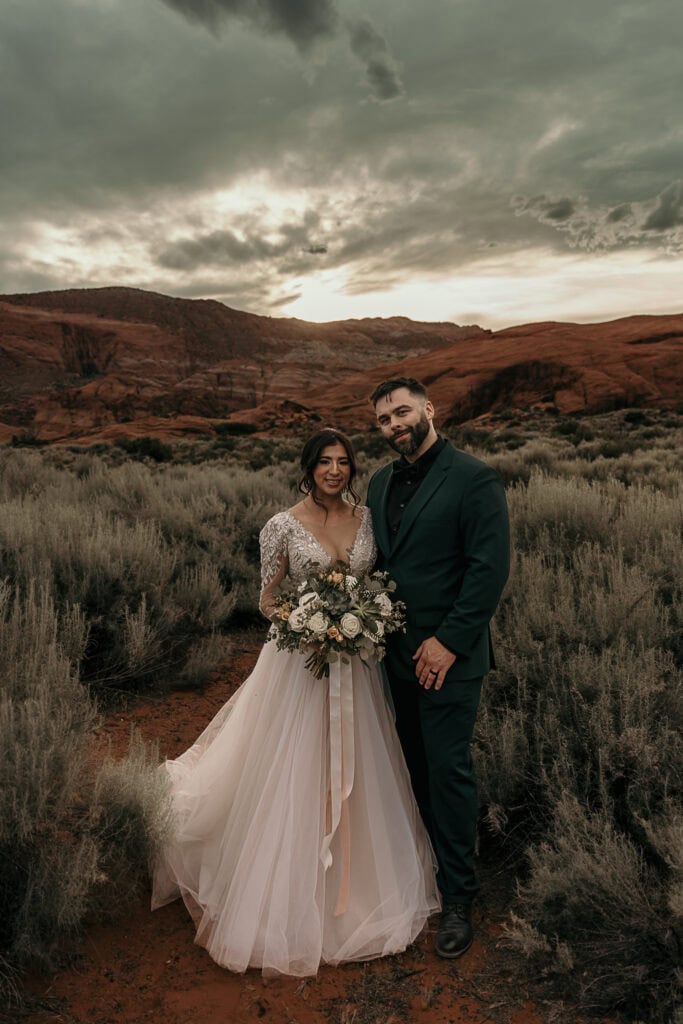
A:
x,y
402,505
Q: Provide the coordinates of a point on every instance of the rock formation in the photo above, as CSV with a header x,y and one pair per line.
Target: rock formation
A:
x,y
96,364
81,361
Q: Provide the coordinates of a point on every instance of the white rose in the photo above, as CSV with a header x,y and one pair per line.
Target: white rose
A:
x,y
310,601
383,603
350,625
318,623
350,582
297,619
380,629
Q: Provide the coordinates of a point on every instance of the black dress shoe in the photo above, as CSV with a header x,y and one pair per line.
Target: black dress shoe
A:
x,y
455,933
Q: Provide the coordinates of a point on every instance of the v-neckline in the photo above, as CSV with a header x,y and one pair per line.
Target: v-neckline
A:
x,y
322,547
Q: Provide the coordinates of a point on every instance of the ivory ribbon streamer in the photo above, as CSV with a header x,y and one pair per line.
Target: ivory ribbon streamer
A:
x,y
342,759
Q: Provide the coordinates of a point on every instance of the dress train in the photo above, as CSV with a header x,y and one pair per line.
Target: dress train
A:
x,y
252,805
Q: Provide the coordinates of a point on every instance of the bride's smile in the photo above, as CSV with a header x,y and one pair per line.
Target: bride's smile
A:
x,y
333,470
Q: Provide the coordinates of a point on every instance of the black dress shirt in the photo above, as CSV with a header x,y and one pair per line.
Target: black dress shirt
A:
x,y
405,483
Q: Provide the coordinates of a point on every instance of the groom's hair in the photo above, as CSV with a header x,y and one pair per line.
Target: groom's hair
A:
x,y
389,386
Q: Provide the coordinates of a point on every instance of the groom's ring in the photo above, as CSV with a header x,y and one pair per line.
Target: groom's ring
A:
x,y
433,672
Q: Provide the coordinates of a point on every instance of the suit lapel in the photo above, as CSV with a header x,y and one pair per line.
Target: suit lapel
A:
x,y
428,488
380,524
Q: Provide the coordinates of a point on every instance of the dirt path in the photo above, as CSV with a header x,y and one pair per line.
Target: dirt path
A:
x,y
145,968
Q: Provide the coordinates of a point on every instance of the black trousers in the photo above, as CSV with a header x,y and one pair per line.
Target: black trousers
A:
x,y
435,729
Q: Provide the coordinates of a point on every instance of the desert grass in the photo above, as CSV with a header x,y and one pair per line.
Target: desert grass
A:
x,y
158,561
579,744
141,560
76,830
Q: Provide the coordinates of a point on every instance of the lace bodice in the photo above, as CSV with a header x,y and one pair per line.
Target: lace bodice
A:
x,y
284,537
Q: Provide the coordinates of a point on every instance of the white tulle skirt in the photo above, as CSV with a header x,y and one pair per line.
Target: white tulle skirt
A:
x,y
252,804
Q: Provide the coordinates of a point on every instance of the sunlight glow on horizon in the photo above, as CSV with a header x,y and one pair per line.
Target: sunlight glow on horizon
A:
x,y
500,290
497,294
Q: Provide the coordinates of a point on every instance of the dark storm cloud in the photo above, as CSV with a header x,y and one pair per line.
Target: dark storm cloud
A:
x,y
593,227
561,210
546,210
127,135
245,245
582,226
303,21
372,50
563,214
219,248
669,210
620,213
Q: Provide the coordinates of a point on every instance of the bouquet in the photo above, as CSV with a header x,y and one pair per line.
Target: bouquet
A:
x,y
334,615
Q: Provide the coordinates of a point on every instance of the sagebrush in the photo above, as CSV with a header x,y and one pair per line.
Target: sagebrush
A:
x,y
76,828
131,572
580,742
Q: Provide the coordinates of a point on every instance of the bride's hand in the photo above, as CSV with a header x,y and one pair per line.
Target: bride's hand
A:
x,y
433,662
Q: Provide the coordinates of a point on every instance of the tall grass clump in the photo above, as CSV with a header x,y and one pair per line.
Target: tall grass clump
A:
x,y
603,449
130,571
580,747
76,828
158,558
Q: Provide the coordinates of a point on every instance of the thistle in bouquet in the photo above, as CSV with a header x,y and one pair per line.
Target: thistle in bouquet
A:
x,y
334,615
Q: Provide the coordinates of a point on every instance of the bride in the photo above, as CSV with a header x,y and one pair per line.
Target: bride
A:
x,y
268,878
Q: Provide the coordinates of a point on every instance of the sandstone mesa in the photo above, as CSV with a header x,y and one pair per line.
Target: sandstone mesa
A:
x,y
87,365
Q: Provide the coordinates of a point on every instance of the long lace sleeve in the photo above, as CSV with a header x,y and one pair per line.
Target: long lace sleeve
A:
x,y
274,560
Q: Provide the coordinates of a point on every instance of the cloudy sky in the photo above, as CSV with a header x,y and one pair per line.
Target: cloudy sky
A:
x,y
489,161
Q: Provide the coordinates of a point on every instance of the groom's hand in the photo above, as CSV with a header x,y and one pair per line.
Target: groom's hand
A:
x,y
433,662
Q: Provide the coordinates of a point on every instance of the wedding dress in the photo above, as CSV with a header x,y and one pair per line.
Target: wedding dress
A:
x,y
271,875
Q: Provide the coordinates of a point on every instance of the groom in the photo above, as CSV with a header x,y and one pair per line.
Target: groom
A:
x,y
441,523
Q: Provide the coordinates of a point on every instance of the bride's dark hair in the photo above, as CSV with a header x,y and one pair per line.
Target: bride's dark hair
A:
x,y
310,457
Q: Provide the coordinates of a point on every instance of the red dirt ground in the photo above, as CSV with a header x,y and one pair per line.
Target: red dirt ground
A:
x,y
145,968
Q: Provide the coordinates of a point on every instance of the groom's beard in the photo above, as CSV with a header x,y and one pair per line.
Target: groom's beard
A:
x,y
410,443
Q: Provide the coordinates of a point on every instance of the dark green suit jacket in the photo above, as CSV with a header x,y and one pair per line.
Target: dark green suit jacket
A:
x,y
450,560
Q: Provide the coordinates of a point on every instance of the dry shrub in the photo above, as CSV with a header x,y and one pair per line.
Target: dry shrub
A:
x,y
157,558
579,739
131,574
202,659
74,834
579,743
641,458
129,818
596,917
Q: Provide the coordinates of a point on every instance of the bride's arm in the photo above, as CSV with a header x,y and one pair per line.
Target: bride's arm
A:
x,y
274,563
267,601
